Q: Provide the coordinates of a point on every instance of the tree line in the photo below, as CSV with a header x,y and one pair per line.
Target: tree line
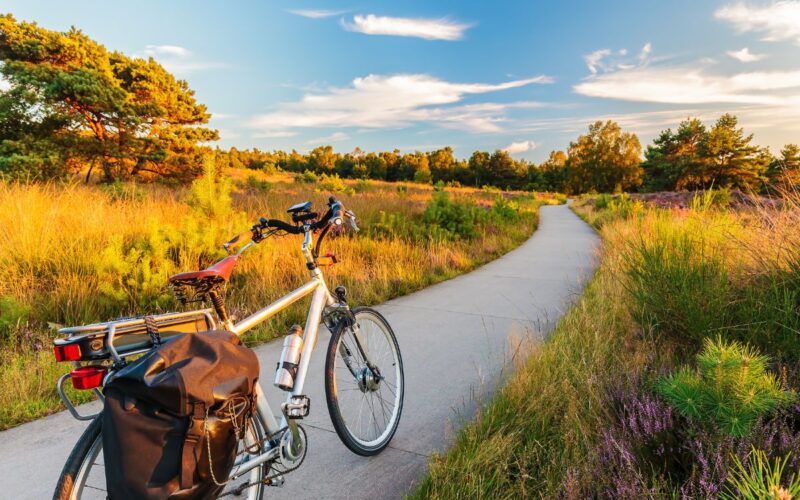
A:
x,y
70,105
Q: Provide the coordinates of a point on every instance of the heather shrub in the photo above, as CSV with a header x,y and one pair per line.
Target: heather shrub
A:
x,y
730,389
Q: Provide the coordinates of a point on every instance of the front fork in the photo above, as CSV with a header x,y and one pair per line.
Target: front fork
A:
x,y
343,314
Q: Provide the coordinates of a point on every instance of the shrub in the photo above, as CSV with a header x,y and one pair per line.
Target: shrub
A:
x,y
210,195
254,182
307,177
602,201
730,389
504,210
331,184
459,219
762,479
678,287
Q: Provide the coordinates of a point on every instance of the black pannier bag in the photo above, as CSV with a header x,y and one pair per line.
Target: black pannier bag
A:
x,y
167,410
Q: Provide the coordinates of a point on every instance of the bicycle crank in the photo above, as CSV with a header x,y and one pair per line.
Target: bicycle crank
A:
x,y
293,453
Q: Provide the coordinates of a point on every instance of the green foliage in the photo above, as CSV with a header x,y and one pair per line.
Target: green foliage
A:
x,y
459,219
331,184
261,185
307,177
604,160
761,479
602,201
71,101
698,158
730,388
12,313
211,194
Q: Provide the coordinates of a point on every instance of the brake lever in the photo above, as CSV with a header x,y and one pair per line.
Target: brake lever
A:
x,y
351,217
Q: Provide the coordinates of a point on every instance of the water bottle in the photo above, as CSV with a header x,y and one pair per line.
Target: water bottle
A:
x,y
290,356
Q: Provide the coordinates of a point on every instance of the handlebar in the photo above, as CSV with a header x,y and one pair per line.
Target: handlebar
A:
x,y
334,217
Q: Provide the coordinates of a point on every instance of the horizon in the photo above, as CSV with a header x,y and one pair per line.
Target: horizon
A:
x,y
524,78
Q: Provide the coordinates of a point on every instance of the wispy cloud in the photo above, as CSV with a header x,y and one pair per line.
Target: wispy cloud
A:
x,y
316,13
428,29
386,101
776,21
329,139
168,50
179,60
744,55
519,147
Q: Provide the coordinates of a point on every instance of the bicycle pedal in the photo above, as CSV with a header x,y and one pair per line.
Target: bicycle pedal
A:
x,y
297,407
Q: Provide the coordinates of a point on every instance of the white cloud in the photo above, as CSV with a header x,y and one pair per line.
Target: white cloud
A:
x,y
519,147
179,60
594,60
315,13
166,50
776,21
328,139
428,29
644,54
745,55
384,101
690,84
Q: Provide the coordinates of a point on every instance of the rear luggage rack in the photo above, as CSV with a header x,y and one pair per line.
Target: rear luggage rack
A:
x,y
98,343
129,336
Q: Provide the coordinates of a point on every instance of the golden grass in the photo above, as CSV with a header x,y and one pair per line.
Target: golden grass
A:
x,y
536,437
72,254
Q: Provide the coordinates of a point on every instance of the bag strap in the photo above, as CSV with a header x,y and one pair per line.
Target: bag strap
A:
x,y
190,458
152,329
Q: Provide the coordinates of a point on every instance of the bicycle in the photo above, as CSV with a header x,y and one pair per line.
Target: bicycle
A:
x,y
363,366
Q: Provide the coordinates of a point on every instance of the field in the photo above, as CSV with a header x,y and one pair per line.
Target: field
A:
x,y
74,254
676,375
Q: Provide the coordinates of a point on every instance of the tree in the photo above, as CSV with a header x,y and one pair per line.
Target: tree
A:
x,y
414,167
553,172
785,170
674,160
729,160
442,164
504,171
479,168
80,102
604,160
322,159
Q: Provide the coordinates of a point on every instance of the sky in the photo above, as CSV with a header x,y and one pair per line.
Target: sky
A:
x,y
524,76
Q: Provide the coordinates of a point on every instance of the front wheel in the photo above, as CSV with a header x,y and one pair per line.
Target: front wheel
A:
x,y
364,382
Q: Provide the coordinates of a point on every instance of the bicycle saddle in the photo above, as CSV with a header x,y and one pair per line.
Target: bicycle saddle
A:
x,y
220,271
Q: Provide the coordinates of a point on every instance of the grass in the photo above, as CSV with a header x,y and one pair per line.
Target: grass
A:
x,y
73,254
582,417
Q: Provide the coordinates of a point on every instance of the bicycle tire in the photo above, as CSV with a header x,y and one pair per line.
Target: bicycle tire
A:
x,y
358,446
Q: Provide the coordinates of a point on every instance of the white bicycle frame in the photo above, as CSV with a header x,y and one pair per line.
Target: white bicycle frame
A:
x,y
320,298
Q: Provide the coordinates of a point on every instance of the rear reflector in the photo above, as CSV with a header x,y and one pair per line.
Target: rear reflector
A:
x,y
88,377
69,352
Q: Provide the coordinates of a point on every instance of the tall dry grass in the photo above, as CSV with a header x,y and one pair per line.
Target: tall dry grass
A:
x,y
72,254
668,279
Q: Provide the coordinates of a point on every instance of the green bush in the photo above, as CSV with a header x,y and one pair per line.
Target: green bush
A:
x,y
729,390
602,201
678,288
307,177
210,195
761,479
254,183
331,184
459,219
504,210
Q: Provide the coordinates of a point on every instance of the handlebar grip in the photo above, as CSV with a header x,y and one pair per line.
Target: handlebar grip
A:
x,y
336,211
238,239
279,224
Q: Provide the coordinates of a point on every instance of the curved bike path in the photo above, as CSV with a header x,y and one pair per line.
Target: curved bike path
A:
x,y
456,339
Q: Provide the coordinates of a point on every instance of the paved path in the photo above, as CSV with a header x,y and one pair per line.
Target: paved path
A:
x,y
455,338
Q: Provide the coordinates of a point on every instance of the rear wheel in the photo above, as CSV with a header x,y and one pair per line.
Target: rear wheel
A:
x,y
84,477
364,382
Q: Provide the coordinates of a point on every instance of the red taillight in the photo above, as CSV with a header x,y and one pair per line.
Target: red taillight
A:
x,y
69,352
88,377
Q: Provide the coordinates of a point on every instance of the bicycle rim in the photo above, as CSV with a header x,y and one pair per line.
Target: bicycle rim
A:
x,y
369,407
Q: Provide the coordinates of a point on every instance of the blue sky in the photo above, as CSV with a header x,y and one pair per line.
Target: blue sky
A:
x,y
527,76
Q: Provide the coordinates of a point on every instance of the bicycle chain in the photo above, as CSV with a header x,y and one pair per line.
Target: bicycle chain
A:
x,y
276,473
